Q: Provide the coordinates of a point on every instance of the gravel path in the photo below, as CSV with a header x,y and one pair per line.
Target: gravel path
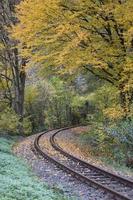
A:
x,y
55,177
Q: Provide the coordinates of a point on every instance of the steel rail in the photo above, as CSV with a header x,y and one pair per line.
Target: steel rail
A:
x,y
75,173
58,148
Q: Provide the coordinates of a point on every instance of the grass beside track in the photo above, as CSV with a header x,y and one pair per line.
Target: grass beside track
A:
x,y
17,182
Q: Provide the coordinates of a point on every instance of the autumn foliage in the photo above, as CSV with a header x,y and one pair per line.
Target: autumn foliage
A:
x,y
71,35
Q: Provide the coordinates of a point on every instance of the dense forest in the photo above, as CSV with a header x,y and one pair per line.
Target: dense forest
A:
x,y
66,63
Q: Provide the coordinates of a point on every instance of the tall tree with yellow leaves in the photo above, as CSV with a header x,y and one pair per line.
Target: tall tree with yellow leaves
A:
x,y
96,35
12,66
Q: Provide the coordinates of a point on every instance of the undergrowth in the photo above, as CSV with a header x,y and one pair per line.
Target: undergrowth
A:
x,y
112,145
17,182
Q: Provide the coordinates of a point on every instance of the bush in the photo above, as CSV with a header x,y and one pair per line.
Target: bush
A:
x,y
98,142
114,142
8,121
107,106
122,134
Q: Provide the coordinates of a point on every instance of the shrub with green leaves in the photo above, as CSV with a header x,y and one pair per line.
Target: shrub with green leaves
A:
x,y
114,142
122,134
8,120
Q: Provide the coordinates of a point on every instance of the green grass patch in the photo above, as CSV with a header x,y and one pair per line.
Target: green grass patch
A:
x,y
17,182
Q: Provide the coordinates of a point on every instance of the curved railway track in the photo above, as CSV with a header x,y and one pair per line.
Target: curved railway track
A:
x,y
119,187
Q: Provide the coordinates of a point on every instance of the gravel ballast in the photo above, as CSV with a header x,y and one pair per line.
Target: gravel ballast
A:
x,y
51,174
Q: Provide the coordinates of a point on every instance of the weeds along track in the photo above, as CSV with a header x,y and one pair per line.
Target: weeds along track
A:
x,y
119,187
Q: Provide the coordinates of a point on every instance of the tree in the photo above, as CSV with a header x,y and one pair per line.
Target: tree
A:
x,y
37,96
12,66
94,35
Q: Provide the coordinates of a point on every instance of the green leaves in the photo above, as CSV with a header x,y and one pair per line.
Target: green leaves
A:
x,y
8,121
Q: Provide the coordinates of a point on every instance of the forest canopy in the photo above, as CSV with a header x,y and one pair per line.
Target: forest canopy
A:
x,y
75,35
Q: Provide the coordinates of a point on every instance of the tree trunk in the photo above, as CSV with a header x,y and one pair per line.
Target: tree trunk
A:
x,y
19,101
19,88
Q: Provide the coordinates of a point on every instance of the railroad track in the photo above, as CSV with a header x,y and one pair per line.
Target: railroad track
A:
x,y
119,187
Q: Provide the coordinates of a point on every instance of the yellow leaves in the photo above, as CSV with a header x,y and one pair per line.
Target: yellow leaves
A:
x,y
31,94
114,113
1,45
73,34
